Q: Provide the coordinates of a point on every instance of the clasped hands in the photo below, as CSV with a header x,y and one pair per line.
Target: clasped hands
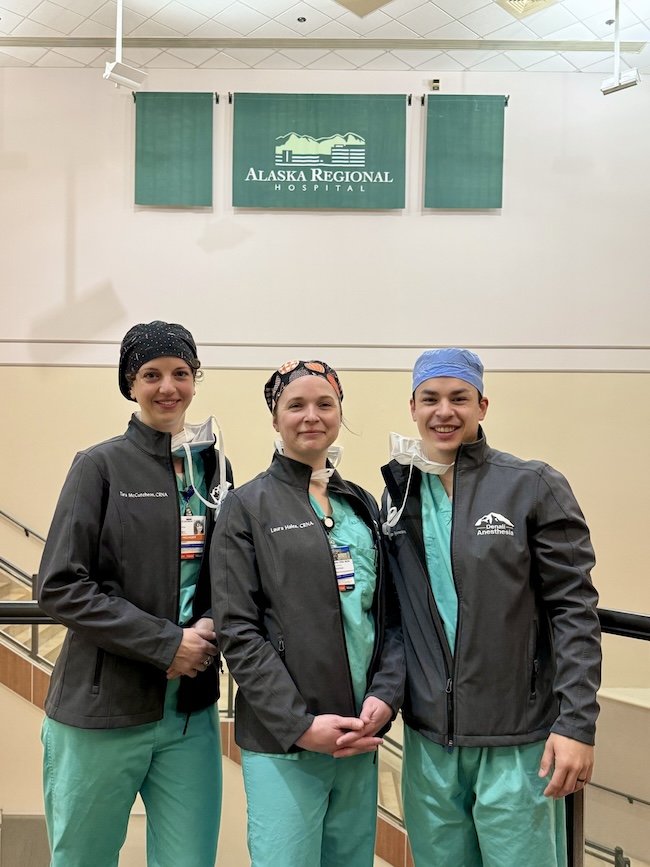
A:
x,y
196,651
341,736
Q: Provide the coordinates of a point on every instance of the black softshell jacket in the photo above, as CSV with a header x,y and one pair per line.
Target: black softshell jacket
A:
x,y
527,654
111,573
278,611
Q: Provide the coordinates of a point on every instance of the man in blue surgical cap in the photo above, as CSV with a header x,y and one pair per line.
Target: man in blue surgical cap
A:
x,y
491,558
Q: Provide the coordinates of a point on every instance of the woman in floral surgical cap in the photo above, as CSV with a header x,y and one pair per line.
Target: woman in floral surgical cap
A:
x,y
305,617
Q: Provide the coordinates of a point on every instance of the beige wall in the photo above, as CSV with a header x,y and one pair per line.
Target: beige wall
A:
x,y
590,426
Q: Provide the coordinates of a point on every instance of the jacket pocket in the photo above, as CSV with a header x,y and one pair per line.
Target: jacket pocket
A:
x,y
533,664
97,676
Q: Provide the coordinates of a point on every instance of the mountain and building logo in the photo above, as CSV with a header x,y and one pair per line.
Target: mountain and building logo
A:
x,y
335,163
494,524
335,150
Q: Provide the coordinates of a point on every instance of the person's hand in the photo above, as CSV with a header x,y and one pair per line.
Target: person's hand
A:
x,y
203,625
196,652
323,734
572,763
374,715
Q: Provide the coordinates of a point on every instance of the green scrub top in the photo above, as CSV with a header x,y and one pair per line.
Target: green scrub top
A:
x,y
190,568
436,528
356,605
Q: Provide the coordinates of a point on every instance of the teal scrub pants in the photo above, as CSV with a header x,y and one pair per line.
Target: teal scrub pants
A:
x,y
311,810
91,778
480,807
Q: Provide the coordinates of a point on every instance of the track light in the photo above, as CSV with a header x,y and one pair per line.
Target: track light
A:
x,y
126,76
120,73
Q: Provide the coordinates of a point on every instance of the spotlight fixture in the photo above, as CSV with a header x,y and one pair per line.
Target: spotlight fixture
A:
x,y
126,76
118,72
620,80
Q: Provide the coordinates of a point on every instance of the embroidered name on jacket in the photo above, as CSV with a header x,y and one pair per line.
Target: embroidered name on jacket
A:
x,y
292,527
494,524
136,494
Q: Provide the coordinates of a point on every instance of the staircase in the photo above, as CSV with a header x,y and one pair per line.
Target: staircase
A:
x,y
41,643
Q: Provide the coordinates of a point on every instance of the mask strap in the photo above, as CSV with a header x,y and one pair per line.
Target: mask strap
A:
x,y
219,494
323,475
393,516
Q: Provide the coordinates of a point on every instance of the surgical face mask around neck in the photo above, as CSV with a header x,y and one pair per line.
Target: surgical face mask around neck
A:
x,y
196,436
409,451
334,455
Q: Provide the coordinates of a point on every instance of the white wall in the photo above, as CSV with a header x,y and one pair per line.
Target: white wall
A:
x,y
563,263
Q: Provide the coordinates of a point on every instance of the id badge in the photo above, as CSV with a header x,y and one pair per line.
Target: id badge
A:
x,y
344,567
192,536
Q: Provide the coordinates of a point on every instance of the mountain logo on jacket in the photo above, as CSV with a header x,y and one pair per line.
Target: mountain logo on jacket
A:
x,y
494,524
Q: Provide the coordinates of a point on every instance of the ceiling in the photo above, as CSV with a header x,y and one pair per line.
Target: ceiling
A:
x,y
440,36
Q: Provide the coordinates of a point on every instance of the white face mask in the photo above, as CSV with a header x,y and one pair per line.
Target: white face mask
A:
x,y
409,451
334,455
195,438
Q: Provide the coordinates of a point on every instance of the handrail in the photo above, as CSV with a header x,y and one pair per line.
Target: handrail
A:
x,y
27,612
16,572
26,530
631,799
629,624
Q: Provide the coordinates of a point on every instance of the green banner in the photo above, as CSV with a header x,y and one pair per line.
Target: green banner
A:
x,y
173,149
464,159
319,151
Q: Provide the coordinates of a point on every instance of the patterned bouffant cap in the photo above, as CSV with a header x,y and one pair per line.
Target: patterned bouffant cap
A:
x,y
147,341
279,380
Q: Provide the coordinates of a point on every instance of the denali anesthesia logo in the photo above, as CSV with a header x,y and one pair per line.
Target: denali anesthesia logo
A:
x,y
494,524
334,163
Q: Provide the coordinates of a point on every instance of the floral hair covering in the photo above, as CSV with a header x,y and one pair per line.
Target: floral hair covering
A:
x,y
279,380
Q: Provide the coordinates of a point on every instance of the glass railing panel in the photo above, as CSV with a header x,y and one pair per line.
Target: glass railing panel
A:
x,y
617,803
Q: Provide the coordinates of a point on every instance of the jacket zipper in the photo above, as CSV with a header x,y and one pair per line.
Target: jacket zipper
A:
x,y
99,664
333,572
450,712
281,647
450,682
449,686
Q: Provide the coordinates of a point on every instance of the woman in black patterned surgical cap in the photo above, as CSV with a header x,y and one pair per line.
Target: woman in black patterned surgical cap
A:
x,y
132,701
307,621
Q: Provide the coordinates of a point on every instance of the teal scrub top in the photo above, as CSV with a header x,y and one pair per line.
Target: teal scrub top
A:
x,y
356,605
436,528
190,568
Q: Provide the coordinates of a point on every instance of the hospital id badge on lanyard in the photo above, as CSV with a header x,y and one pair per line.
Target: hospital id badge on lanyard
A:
x,y
192,536
344,567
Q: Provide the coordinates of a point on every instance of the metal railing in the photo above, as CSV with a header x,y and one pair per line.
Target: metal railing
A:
x,y
622,623
26,530
15,572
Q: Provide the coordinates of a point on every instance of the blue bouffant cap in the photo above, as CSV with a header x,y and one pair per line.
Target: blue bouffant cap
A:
x,y
457,363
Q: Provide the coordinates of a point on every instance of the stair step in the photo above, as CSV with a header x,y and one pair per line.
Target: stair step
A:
x,y
11,591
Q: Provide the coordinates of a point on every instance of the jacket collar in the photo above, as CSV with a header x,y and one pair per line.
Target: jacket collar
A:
x,y
469,455
299,475
150,440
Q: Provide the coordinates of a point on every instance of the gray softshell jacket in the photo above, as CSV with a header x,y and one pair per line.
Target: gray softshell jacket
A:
x,y
526,659
110,572
278,612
